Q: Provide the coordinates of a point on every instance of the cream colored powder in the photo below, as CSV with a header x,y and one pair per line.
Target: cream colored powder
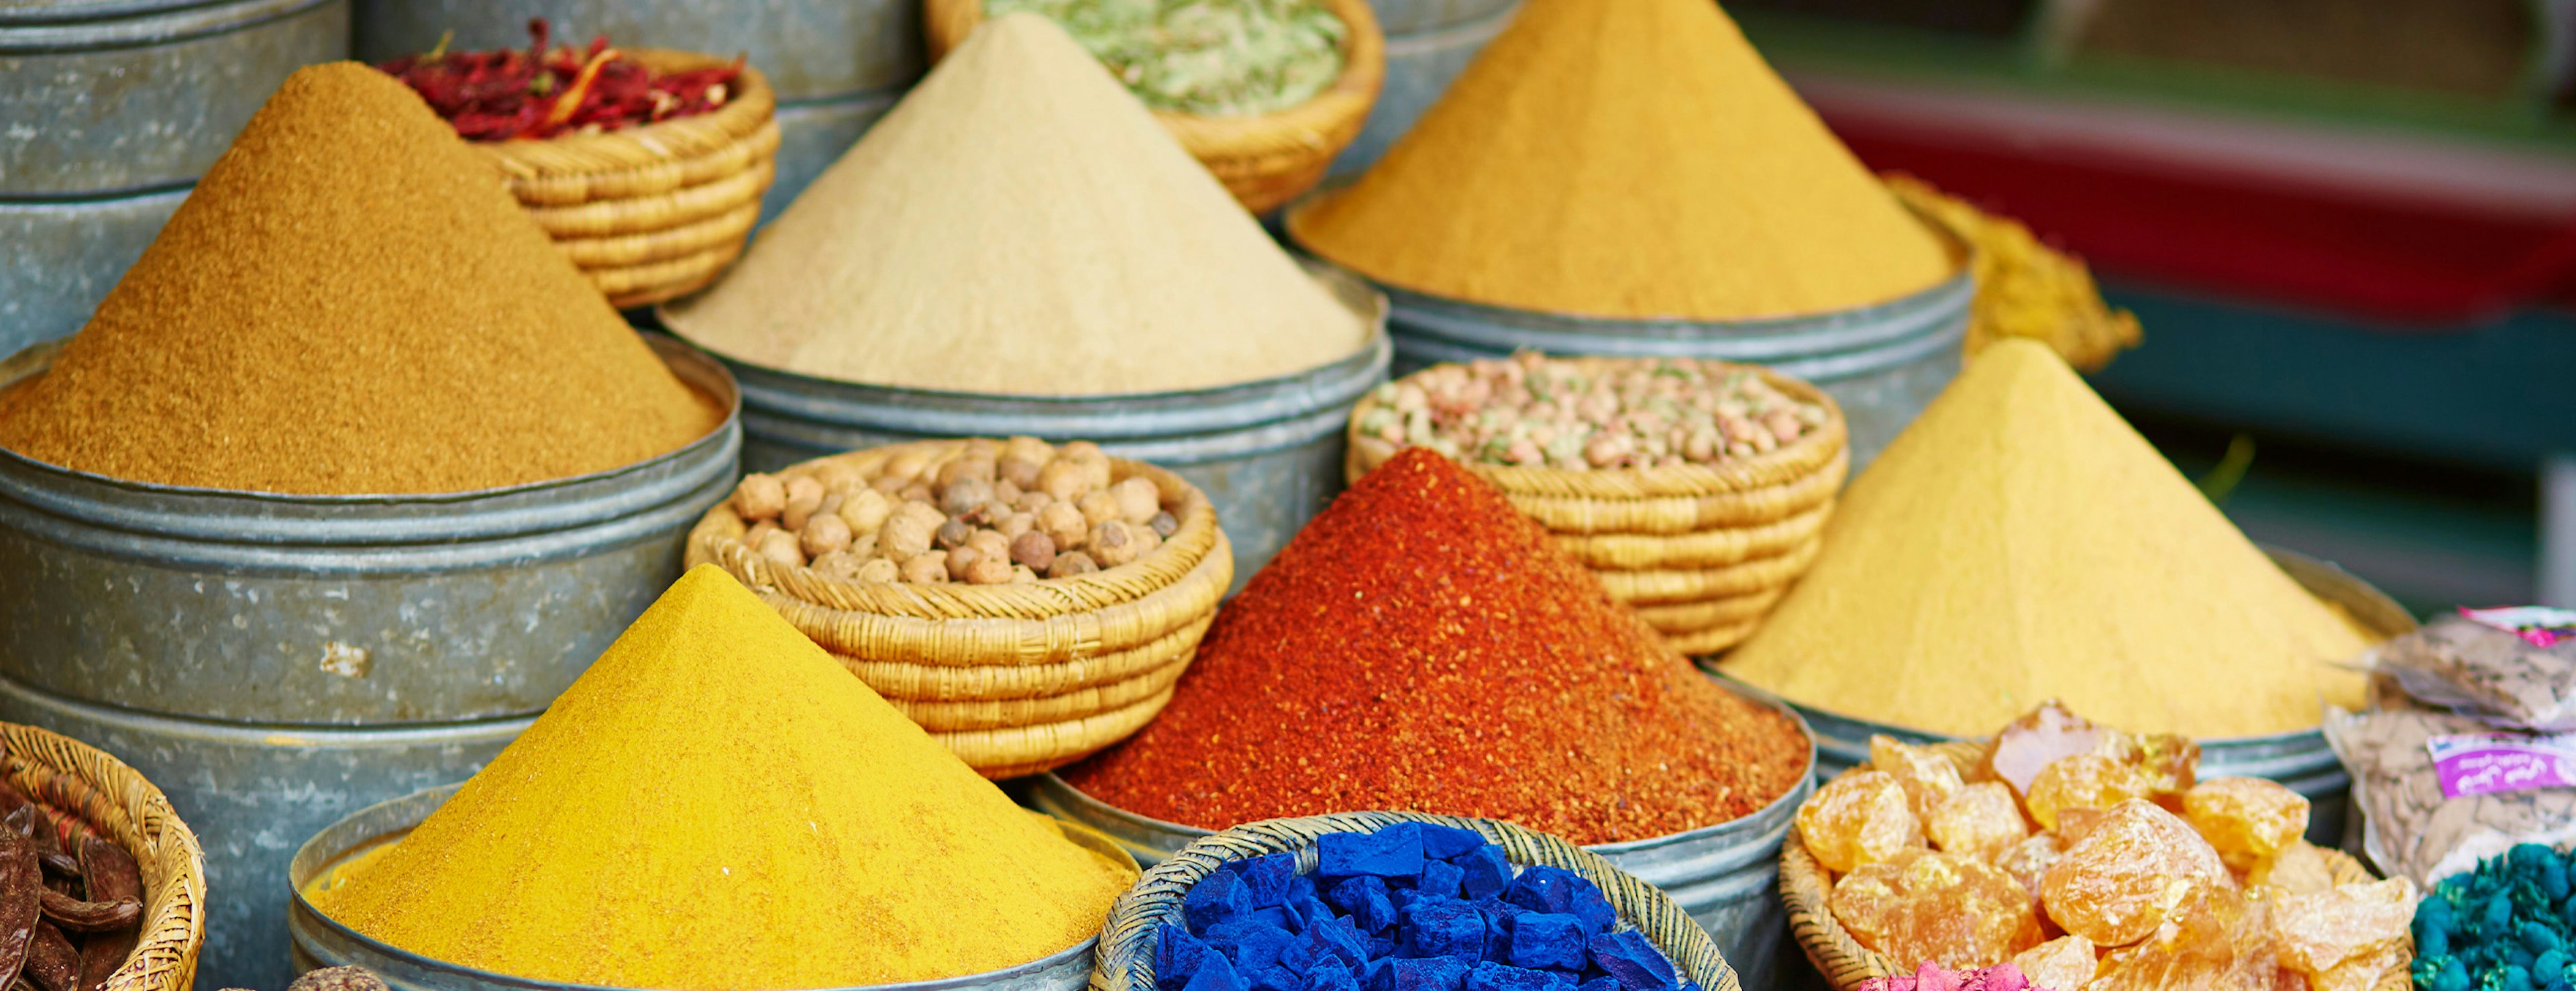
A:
x,y
1020,224
2019,542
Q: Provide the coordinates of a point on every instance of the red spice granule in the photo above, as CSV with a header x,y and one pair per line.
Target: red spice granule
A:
x,y
1423,646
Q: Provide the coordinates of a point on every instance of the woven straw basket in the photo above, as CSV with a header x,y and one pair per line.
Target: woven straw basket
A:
x,y
1015,679
654,212
1265,160
1805,885
1701,552
95,793
1126,961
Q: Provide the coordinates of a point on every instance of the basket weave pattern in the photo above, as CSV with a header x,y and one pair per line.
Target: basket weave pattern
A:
x,y
1014,679
654,212
1126,960
101,795
1806,886
1265,160
1701,552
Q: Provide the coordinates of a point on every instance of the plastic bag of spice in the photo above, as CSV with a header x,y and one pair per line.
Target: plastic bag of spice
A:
x,y
2440,791
2510,667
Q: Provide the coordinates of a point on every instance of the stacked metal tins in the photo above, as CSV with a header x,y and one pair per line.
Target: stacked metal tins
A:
x,y
837,65
1428,43
109,110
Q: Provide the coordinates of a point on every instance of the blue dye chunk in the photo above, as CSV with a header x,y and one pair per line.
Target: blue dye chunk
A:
x,y
1491,976
1216,975
1443,927
1265,879
1541,940
1445,842
1440,878
1341,940
1388,853
1599,984
1215,899
1434,974
1277,978
1331,976
1177,957
1563,892
1633,961
1256,945
1484,873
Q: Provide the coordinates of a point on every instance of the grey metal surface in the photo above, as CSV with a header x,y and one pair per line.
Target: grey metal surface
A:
x,y
807,48
2300,760
320,942
58,259
1420,65
811,136
340,610
149,101
252,792
1404,17
1268,454
1726,876
1882,363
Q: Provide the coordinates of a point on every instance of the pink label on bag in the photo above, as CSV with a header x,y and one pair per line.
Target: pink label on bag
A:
x,y
2539,626
2486,763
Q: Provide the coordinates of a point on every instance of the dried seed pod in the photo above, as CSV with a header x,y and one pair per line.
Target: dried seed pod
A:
x,y
1065,525
965,496
1069,565
952,534
782,547
1138,500
824,534
759,497
22,890
926,569
1063,480
1164,525
879,569
1114,543
52,963
903,537
1097,507
961,562
1035,550
991,544
865,510
989,571
89,917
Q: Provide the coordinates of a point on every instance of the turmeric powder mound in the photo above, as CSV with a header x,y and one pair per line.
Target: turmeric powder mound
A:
x,y
1021,225
2019,542
1633,158
718,804
350,303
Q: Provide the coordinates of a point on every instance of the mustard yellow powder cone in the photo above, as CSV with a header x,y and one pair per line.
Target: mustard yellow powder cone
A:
x,y
1627,158
2021,542
717,804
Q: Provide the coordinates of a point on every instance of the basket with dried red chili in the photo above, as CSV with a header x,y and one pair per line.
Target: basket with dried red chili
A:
x,y
646,166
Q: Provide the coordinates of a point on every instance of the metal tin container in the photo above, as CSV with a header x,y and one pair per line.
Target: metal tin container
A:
x,y
140,96
320,942
1268,453
58,258
812,136
2300,760
1421,61
1882,363
1726,876
340,610
807,48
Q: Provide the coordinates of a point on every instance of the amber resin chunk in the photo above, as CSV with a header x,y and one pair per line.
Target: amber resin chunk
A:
x,y
2215,939
2247,819
2066,963
2117,884
2028,861
1979,820
2299,868
1927,777
2084,781
1927,907
2317,932
1858,819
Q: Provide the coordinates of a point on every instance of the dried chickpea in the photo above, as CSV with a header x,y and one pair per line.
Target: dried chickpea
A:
x,y
838,564
961,469
1114,543
1034,550
1146,541
1021,575
906,465
921,512
1083,450
824,534
1164,525
888,484
904,538
1138,500
879,569
990,543
1069,565
780,546
1063,480
1098,507
922,493
863,545
952,535
800,487
1031,502
1028,449
959,560
799,510
964,496
759,497
989,571
931,568
1007,492
866,510
1065,525
1014,525
837,476
751,538
1021,471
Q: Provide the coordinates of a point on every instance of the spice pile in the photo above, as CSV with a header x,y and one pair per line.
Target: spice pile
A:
x,y
1215,58
453,349
71,900
1936,863
1604,113
2019,542
717,804
1535,411
1412,906
2509,924
995,513
1020,225
2024,287
1421,645
543,92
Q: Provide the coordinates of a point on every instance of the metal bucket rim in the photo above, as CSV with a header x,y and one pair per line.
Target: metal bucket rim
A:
x,y
140,27
301,869
1345,288
76,11
674,353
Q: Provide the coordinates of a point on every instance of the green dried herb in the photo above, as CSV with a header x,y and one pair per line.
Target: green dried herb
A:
x,y
1214,58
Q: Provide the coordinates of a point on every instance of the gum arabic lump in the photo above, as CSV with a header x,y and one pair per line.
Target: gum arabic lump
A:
x,y
2247,819
2084,781
2117,884
1980,821
1927,777
1858,818
2066,963
1928,907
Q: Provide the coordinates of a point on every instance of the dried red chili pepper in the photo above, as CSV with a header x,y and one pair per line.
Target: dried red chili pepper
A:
x,y
548,90
1421,645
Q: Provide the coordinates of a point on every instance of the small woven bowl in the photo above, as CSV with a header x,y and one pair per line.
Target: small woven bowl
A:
x,y
654,212
1806,887
1265,160
93,793
1015,679
1126,960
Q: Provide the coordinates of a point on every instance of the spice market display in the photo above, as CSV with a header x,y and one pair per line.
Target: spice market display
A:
x,y
1210,57
939,254
2139,874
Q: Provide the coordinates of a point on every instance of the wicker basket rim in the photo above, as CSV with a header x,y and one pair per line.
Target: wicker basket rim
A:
x,y
648,144
1816,449
172,860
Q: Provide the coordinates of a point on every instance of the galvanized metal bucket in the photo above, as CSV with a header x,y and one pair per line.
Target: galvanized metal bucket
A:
x,y
58,258
813,135
808,49
320,942
1726,876
276,661
2300,760
1428,43
131,95
1268,453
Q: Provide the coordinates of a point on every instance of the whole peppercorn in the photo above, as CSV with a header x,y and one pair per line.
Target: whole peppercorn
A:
x,y
960,559
903,538
1069,565
1114,543
1138,500
759,497
1034,549
824,534
952,535
931,568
